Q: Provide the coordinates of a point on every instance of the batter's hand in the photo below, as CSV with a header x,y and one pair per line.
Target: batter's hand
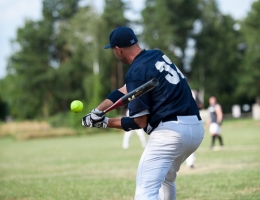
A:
x,y
100,124
96,121
86,120
97,114
92,117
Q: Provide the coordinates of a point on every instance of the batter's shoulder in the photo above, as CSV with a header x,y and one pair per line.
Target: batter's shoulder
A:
x,y
154,51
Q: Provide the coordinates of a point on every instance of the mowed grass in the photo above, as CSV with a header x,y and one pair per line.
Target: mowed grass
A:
x,y
95,167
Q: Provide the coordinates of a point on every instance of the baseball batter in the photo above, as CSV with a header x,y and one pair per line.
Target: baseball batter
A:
x,y
168,114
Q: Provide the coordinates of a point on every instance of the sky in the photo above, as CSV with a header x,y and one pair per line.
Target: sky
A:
x,y
14,12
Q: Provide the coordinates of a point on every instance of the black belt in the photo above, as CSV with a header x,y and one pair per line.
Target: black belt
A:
x,y
167,119
174,118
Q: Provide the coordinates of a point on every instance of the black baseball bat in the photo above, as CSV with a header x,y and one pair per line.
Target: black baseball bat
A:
x,y
133,94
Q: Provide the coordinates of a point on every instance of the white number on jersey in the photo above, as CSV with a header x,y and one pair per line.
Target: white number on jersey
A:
x,y
172,75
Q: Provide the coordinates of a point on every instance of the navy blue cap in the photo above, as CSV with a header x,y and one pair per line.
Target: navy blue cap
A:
x,y
122,37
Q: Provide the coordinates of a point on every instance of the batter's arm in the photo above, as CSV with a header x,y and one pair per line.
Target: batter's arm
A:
x,y
123,89
142,121
116,122
107,102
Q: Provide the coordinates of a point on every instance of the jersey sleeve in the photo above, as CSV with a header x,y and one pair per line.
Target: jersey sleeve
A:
x,y
140,104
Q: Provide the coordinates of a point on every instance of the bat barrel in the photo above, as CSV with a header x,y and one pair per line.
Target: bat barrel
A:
x,y
154,82
140,90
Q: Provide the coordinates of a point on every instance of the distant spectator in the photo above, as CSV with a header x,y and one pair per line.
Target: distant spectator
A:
x,y
216,117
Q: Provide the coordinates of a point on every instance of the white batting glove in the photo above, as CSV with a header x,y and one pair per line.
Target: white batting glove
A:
x,y
94,120
97,114
86,120
94,116
101,124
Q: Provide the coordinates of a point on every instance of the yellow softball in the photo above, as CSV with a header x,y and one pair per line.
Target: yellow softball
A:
x,y
76,106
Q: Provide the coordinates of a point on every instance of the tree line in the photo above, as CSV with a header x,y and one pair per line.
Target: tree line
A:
x,y
60,57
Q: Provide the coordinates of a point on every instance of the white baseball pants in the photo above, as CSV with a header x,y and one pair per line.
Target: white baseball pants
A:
x,y
168,147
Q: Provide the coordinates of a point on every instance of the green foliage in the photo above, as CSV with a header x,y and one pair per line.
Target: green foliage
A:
x,y
61,58
217,57
78,53
30,74
114,14
167,25
66,119
111,70
249,73
55,60
59,9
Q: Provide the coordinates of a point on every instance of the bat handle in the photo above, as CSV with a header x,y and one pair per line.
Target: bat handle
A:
x,y
101,114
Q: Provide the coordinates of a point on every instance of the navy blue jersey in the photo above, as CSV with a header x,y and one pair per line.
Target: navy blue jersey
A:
x,y
170,99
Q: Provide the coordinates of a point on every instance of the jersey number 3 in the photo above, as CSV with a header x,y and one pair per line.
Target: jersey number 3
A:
x,y
172,75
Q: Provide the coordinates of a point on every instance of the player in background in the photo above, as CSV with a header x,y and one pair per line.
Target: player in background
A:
x,y
167,113
215,121
127,135
190,161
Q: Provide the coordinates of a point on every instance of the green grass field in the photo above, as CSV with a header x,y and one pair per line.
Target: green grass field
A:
x,y
95,167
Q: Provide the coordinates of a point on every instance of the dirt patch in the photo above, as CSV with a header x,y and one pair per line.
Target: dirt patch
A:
x,y
32,129
247,191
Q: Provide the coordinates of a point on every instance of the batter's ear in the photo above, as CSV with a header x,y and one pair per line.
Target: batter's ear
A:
x,y
117,49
